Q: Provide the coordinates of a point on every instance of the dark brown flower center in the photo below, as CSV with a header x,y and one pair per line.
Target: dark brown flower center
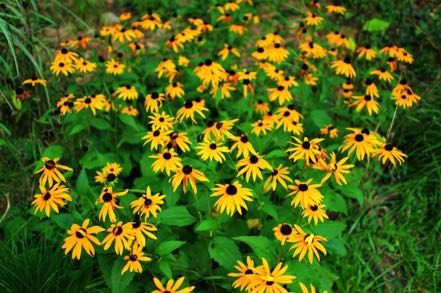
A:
x,y
107,197
244,139
314,208
213,146
166,156
231,190
81,234
303,187
388,147
47,196
49,164
306,145
110,177
286,229
253,159
359,137
133,257
117,230
187,169
147,202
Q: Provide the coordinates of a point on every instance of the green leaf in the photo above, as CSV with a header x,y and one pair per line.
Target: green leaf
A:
x,y
335,202
167,247
100,123
130,121
329,229
376,25
224,251
320,118
206,225
261,246
177,216
164,267
53,151
120,282
82,185
352,191
77,129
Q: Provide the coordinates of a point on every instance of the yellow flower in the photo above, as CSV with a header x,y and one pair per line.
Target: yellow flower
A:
x,y
283,232
279,175
58,67
305,150
114,67
148,204
232,199
127,92
313,19
109,200
189,109
344,67
172,286
243,145
212,150
252,165
267,280
305,193
244,274
34,81
338,169
134,260
51,198
387,152
367,102
80,238
121,234
185,175
307,243
167,160
315,212
51,171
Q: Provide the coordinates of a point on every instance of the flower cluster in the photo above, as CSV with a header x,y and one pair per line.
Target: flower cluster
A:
x,y
192,131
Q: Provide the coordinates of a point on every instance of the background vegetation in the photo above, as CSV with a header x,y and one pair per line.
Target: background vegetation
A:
x,y
392,236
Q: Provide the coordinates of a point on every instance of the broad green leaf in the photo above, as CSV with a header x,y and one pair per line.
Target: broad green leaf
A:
x,y
206,225
261,245
224,251
329,229
167,247
376,25
320,118
120,282
101,124
177,216
336,203
82,185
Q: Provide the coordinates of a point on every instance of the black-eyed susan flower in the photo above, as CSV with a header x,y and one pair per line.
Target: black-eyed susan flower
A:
x,y
337,169
277,53
114,67
281,93
360,141
175,90
244,273
212,150
122,234
404,56
156,138
134,259
185,175
313,50
366,52
179,140
127,92
233,198
344,67
51,199
210,72
283,232
183,61
267,280
383,74
305,193
305,150
109,173
371,88
141,230
81,237
62,67
243,145
307,243
278,176
238,29
85,66
161,121
109,201
65,104
93,102
66,56
387,152
287,81
330,130
167,161
227,50
34,81
336,9
366,101
252,166
122,34
171,286
261,126
153,102
315,212
189,110
405,99
148,204
313,19
51,171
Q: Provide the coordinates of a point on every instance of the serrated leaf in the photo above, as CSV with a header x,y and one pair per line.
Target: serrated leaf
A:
x,y
224,251
261,246
206,225
177,216
167,247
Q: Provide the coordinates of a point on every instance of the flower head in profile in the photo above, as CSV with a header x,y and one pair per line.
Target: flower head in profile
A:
x,y
171,286
185,175
51,171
